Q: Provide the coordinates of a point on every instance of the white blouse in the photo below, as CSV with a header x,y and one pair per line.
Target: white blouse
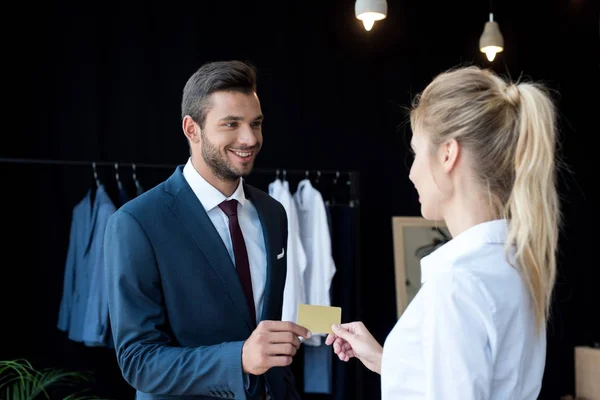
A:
x,y
470,331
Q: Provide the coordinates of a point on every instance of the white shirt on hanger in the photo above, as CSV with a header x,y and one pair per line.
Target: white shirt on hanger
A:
x,y
316,240
210,198
470,332
294,292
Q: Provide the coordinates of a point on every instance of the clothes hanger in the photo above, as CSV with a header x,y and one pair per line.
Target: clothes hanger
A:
x,y
334,186
118,179
94,188
95,174
316,183
138,187
350,191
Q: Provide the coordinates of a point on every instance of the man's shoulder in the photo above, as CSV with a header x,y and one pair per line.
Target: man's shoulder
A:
x,y
147,203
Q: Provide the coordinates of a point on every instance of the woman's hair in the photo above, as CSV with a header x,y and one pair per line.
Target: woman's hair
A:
x,y
510,131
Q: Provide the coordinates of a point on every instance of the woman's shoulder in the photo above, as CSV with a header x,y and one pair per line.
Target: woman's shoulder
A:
x,y
484,278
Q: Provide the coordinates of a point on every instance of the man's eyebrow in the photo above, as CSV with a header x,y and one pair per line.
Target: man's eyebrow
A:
x,y
240,118
232,118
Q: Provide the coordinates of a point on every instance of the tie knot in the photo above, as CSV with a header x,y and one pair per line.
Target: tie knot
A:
x,y
229,207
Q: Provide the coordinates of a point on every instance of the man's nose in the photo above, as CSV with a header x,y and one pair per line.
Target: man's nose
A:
x,y
248,136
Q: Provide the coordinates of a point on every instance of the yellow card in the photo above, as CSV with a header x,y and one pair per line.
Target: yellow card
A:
x,y
318,319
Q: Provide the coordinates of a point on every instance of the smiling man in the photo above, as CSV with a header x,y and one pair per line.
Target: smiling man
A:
x,y
196,266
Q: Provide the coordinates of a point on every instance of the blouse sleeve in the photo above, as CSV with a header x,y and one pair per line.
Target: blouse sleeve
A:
x,y
458,317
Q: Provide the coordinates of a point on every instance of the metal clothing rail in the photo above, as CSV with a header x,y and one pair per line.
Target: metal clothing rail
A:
x,y
168,166
82,163
352,176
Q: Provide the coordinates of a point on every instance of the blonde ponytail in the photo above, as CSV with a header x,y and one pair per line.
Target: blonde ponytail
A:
x,y
533,206
510,130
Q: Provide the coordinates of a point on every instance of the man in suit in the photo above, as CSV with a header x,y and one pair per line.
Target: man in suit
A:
x,y
196,266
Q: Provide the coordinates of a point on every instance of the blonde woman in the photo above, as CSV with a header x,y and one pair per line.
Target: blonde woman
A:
x,y
485,164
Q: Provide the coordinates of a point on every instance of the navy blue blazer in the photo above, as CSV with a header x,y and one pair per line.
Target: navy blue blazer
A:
x,y
178,312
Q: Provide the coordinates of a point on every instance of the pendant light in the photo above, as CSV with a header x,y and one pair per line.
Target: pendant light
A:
x,y
491,40
369,11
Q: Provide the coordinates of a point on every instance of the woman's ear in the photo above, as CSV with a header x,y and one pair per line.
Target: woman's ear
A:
x,y
449,152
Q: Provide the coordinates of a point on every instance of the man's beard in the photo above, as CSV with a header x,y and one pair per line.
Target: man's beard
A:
x,y
219,164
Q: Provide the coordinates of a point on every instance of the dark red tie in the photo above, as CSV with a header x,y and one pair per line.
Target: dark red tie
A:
x,y
242,265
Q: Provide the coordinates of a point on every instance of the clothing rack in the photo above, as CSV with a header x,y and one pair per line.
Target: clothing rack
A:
x,y
351,176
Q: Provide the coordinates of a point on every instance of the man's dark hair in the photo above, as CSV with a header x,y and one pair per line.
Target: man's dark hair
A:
x,y
229,76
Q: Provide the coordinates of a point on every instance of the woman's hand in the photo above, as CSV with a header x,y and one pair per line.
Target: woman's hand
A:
x,y
354,340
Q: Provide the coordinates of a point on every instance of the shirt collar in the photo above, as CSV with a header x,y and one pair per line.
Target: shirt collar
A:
x,y
275,186
303,190
489,232
209,196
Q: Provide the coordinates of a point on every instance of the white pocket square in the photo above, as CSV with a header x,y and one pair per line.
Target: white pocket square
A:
x,y
280,256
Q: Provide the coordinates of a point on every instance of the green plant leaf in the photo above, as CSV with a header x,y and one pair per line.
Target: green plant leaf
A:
x,y
20,381
22,368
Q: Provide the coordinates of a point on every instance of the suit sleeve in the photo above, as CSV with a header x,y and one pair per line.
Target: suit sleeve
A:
x,y
146,355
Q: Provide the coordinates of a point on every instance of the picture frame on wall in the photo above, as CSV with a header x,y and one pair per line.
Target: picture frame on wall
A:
x,y
414,238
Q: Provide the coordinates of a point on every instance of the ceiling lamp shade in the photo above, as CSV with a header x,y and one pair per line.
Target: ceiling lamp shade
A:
x,y
491,40
369,11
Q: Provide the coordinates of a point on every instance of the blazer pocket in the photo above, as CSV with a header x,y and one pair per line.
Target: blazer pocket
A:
x,y
280,256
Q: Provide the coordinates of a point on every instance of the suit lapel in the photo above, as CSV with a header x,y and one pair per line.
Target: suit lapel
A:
x,y
194,218
270,231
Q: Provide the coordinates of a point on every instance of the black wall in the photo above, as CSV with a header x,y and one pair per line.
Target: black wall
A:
x,y
102,81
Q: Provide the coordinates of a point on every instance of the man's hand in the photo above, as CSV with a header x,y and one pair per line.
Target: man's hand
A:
x,y
272,344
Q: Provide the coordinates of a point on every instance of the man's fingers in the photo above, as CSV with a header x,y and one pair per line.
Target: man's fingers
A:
x,y
284,337
288,326
282,349
280,361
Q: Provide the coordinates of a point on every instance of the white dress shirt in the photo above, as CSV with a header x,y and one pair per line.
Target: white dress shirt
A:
x,y
470,332
294,292
316,240
211,197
